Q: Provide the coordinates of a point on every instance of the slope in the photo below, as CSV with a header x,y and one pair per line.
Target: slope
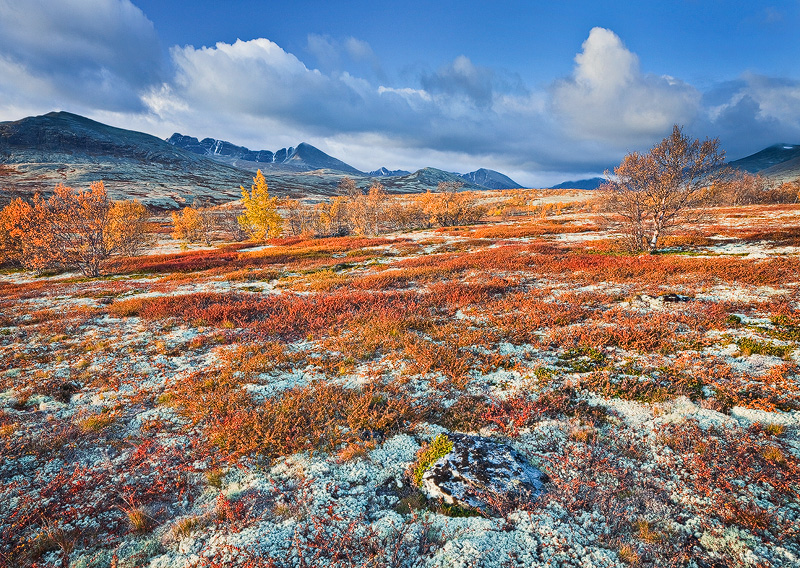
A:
x,y
61,147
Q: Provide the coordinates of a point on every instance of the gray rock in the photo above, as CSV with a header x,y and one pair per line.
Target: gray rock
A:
x,y
483,474
674,298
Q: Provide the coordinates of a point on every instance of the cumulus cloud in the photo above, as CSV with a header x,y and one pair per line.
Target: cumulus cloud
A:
x,y
257,79
461,110
105,55
256,93
98,54
609,98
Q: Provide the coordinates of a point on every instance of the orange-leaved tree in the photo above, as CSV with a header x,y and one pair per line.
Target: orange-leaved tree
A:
x,y
366,211
193,225
665,188
87,228
449,206
260,218
129,230
23,240
79,229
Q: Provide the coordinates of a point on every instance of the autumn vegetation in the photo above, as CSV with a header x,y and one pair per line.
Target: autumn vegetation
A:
x,y
200,397
81,229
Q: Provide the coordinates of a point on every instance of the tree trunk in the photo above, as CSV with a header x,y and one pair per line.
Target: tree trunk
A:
x,y
654,241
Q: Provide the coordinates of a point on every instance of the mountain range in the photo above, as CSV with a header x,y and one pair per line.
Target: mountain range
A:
x,y
780,162
60,147
303,158
306,157
38,152
588,183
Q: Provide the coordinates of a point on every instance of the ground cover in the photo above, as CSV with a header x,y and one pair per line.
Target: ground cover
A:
x,y
269,405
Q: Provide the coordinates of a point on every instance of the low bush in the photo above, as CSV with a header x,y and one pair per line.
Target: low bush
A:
x,y
317,417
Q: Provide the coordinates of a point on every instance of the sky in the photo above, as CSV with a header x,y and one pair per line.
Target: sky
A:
x,y
541,91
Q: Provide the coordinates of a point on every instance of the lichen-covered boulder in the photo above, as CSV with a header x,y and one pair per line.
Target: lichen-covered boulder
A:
x,y
483,474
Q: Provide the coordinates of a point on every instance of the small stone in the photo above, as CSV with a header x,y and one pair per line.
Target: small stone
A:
x,y
674,298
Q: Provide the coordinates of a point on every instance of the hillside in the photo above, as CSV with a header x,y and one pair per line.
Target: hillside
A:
x,y
589,183
779,161
60,147
424,180
251,404
490,179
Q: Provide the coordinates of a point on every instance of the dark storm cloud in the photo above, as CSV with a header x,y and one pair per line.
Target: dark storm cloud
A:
x,y
97,53
751,113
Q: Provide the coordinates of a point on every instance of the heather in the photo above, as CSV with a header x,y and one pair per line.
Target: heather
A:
x,y
271,403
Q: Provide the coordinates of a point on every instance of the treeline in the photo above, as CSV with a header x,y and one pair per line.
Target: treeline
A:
x,y
354,211
753,189
84,229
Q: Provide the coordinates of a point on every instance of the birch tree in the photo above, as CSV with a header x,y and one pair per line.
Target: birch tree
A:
x,y
666,188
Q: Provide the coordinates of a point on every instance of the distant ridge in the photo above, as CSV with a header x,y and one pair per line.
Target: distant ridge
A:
x,y
491,179
383,172
426,179
40,151
304,157
779,161
589,183
61,147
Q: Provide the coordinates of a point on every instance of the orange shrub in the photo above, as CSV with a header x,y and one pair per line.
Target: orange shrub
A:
x,y
317,417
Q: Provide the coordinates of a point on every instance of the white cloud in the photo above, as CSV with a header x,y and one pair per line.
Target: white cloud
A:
x,y
325,51
609,98
104,60
351,54
359,50
460,111
252,77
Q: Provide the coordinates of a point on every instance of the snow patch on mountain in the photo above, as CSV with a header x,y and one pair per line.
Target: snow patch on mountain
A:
x,y
384,172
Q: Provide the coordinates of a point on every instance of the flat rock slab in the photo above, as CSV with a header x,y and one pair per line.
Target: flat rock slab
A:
x,y
483,474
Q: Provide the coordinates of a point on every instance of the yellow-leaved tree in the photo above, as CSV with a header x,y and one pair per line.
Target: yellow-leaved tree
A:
x,y
260,219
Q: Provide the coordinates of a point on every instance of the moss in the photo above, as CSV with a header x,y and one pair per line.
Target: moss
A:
x,y
438,448
96,422
457,511
750,346
583,360
786,328
215,477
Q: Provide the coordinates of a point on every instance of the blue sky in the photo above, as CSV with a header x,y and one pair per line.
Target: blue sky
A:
x,y
542,91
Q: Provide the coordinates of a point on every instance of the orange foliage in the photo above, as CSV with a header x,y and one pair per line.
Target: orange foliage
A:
x,y
69,229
